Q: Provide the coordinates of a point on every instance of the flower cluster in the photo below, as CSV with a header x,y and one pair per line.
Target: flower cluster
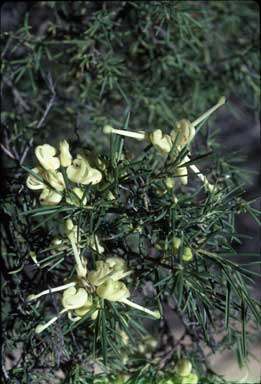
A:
x,y
178,138
47,177
87,288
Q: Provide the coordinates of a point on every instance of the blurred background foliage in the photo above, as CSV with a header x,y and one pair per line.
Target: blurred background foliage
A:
x,y
89,62
69,67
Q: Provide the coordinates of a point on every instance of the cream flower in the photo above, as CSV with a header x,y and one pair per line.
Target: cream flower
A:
x,y
114,268
65,156
161,142
55,179
81,172
118,268
32,182
101,273
45,154
74,298
183,133
49,197
113,290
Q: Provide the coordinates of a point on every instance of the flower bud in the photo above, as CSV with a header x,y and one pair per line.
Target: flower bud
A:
x,y
184,367
169,182
45,154
49,197
187,254
176,243
65,156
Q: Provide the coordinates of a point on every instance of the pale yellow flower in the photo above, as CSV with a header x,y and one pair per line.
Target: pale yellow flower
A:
x,y
81,172
113,290
160,141
56,180
74,298
183,133
49,197
32,182
65,155
85,308
101,273
45,154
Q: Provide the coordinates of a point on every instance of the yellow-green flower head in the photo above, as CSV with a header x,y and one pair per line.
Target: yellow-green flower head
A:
x,y
101,273
113,290
74,298
161,142
76,200
183,133
184,367
187,254
49,197
65,155
46,156
81,172
182,174
55,179
32,182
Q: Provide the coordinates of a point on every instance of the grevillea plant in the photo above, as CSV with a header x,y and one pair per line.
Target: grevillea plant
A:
x,y
115,223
